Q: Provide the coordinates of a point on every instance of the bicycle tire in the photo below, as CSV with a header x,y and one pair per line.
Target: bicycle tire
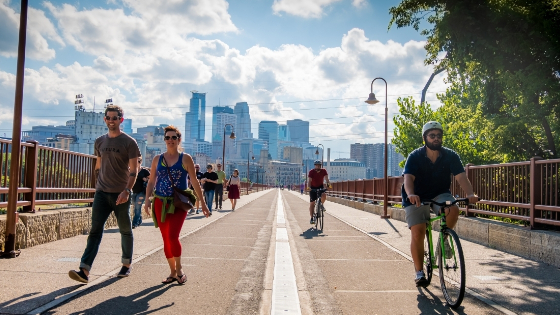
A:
x,y
321,216
452,270
318,216
428,268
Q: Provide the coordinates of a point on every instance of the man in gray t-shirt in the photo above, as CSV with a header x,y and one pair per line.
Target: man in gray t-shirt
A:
x,y
116,166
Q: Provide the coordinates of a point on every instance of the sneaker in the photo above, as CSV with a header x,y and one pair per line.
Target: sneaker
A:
x,y
125,272
134,226
191,211
312,221
421,280
448,250
79,276
197,211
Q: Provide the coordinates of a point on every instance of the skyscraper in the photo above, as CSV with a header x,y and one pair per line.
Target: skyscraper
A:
x,y
299,130
195,124
221,116
268,131
243,130
283,133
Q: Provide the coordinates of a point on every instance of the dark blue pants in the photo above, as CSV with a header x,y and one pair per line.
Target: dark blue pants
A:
x,y
103,204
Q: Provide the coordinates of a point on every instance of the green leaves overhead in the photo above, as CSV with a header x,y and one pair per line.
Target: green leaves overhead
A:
x,y
503,63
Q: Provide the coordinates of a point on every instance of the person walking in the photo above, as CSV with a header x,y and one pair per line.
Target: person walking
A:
x,y
301,187
116,166
219,189
209,181
139,193
199,175
233,192
170,170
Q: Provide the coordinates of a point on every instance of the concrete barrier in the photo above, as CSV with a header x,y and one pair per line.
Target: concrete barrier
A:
x,y
52,225
537,245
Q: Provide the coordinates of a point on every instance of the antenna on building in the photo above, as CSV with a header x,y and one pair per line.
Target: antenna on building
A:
x,y
93,110
108,102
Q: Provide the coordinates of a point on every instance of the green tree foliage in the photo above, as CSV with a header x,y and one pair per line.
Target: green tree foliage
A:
x,y
465,132
503,62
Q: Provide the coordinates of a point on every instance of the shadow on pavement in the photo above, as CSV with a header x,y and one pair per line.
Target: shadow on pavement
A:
x,y
137,303
431,304
22,304
311,233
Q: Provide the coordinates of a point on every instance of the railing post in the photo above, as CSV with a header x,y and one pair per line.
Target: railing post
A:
x,y
535,193
30,175
470,178
93,178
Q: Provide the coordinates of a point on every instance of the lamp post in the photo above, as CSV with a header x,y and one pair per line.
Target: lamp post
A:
x,y
372,100
248,169
231,136
322,152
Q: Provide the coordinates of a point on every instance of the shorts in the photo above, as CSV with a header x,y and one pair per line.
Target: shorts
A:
x,y
313,194
418,215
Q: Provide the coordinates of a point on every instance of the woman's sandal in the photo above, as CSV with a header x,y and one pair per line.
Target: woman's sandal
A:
x,y
169,280
181,279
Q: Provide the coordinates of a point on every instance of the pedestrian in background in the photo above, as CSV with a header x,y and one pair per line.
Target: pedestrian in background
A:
x,y
301,187
169,170
233,192
116,166
209,181
199,175
139,193
219,189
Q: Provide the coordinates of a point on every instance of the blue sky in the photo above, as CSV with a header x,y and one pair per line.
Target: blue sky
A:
x,y
307,59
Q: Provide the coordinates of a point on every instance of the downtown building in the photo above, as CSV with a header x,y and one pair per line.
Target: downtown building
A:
x,y
346,169
223,121
372,155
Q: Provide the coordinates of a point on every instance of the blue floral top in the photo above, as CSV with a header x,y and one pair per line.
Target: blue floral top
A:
x,y
178,173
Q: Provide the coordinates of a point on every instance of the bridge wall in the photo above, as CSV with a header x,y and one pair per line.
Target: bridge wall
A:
x,y
537,245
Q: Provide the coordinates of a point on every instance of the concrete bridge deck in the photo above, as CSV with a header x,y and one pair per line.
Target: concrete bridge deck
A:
x,y
264,259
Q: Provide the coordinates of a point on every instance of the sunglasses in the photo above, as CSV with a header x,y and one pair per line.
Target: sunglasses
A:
x,y
170,137
433,136
112,117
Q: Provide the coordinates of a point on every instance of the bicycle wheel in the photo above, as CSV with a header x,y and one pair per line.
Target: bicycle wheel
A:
x,y
318,216
428,267
452,269
321,216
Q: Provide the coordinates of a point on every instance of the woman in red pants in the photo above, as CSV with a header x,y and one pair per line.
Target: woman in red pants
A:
x,y
175,165
233,193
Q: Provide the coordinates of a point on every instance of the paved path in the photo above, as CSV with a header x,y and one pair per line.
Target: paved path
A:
x,y
245,262
513,283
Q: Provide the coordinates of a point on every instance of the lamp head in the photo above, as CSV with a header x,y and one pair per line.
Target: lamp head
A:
x,y
317,152
371,99
232,136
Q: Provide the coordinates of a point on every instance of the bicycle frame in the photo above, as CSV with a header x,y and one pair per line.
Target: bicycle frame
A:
x,y
443,226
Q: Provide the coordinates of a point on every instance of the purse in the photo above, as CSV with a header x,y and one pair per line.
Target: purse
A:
x,y
227,187
182,199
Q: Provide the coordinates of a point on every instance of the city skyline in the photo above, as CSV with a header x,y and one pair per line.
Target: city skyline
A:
x,y
148,59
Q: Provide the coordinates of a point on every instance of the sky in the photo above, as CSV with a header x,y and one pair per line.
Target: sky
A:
x,y
289,59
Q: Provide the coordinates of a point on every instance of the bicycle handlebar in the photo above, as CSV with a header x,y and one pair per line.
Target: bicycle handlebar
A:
x,y
447,203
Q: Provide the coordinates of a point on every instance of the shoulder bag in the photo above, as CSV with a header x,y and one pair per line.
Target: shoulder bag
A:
x,y
182,199
227,187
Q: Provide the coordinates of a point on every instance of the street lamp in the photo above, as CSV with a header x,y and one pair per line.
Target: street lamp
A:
x,y
372,100
322,153
231,136
248,169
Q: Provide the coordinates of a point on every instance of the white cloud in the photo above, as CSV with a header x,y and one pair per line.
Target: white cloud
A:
x,y
149,29
39,30
307,8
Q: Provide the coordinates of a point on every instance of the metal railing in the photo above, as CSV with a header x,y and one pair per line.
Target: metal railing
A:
x,y
527,191
48,176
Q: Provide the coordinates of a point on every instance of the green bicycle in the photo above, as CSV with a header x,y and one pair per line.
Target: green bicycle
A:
x,y
449,256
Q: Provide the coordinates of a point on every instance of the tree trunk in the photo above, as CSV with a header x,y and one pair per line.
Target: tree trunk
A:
x,y
549,137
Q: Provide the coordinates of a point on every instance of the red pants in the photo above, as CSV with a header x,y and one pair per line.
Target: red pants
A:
x,y
170,229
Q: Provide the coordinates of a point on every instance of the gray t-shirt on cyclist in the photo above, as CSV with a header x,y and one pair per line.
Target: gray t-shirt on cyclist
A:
x,y
115,154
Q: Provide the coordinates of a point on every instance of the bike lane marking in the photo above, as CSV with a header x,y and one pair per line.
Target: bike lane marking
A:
x,y
285,298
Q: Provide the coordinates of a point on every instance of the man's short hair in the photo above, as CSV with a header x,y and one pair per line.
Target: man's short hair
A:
x,y
114,108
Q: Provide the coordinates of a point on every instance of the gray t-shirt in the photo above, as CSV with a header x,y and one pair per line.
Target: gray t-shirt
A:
x,y
115,154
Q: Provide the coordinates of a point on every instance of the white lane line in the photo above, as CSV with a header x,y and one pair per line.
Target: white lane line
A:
x,y
285,299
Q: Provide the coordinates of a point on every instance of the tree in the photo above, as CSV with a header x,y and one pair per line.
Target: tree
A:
x,y
503,61
464,132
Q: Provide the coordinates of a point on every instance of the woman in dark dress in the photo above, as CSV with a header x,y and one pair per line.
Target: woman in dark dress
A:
x,y
233,193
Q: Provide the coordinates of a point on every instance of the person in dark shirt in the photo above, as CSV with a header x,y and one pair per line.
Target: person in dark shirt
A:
x,y
209,181
427,176
139,192
199,176
315,180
